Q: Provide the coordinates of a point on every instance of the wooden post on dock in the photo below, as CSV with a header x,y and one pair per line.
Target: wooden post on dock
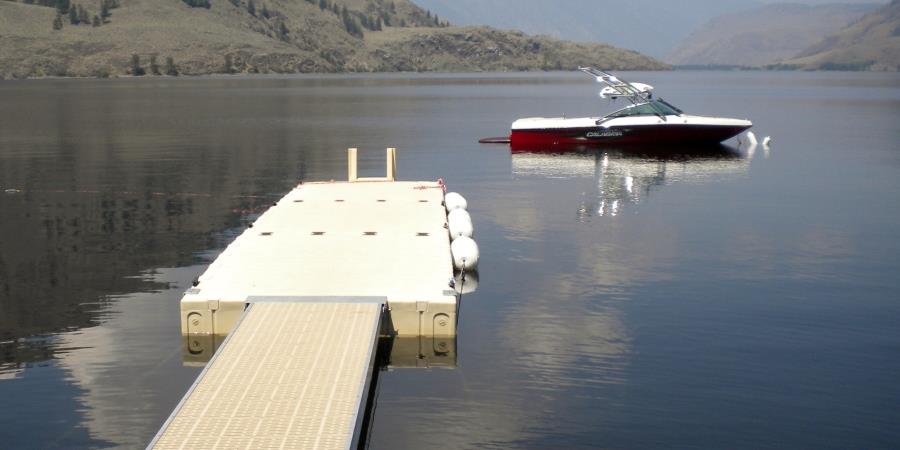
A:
x,y
391,165
351,165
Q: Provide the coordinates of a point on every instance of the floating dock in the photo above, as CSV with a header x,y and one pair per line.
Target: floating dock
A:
x,y
298,302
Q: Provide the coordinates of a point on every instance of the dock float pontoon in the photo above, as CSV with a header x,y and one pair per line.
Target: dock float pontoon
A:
x,y
295,307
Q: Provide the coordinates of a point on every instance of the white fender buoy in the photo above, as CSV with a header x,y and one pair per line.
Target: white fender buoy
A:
x,y
465,253
766,141
459,222
751,137
455,201
469,286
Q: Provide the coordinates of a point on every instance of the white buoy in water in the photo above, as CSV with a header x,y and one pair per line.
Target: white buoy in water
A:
x,y
751,137
469,285
459,222
455,201
465,253
766,141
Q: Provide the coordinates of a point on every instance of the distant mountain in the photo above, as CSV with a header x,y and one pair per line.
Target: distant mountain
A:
x,y
652,27
872,43
648,26
764,35
284,36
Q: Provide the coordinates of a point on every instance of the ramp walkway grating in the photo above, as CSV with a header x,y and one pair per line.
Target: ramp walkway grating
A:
x,y
291,375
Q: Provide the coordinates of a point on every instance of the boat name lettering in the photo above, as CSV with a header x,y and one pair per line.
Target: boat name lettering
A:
x,y
604,133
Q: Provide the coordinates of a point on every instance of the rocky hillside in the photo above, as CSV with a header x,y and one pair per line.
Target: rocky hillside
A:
x,y
192,37
489,49
764,35
872,43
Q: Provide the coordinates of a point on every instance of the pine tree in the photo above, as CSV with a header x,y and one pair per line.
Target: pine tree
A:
x,y
154,67
229,64
264,12
96,21
171,70
73,16
104,10
62,6
136,68
83,16
197,3
251,8
282,31
57,22
323,5
350,25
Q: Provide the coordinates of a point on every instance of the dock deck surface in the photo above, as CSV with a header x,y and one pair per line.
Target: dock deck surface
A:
x,y
294,295
291,375
355,239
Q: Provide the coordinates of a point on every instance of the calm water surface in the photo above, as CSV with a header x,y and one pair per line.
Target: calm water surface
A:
x,y
726,299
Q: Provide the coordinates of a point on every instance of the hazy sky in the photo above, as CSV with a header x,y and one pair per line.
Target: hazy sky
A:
x,y
653,27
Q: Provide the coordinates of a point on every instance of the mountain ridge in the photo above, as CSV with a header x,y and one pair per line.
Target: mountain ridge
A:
x,y
871,43
764,35
281,36
652,27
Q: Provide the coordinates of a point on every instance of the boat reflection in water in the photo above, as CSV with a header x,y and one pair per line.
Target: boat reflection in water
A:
x,y
628,175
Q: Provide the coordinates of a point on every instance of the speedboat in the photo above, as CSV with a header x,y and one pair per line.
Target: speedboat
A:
x,y
647,120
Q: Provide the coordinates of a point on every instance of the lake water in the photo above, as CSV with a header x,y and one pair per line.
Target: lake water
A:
x,y
726,299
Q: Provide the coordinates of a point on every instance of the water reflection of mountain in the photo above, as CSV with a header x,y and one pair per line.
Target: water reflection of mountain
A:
x,y
106,191
627,177
63,254
118,178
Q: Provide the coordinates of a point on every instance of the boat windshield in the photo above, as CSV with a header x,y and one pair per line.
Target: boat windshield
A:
x,y
646,109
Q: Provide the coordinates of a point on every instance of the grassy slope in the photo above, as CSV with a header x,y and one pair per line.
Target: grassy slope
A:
x,y
764,35
198,40
873,43
483,48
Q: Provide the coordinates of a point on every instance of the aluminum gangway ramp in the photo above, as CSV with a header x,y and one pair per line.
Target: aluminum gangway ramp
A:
x,y
293,374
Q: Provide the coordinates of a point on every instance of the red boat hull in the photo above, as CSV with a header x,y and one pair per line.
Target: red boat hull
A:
x,y
639,135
